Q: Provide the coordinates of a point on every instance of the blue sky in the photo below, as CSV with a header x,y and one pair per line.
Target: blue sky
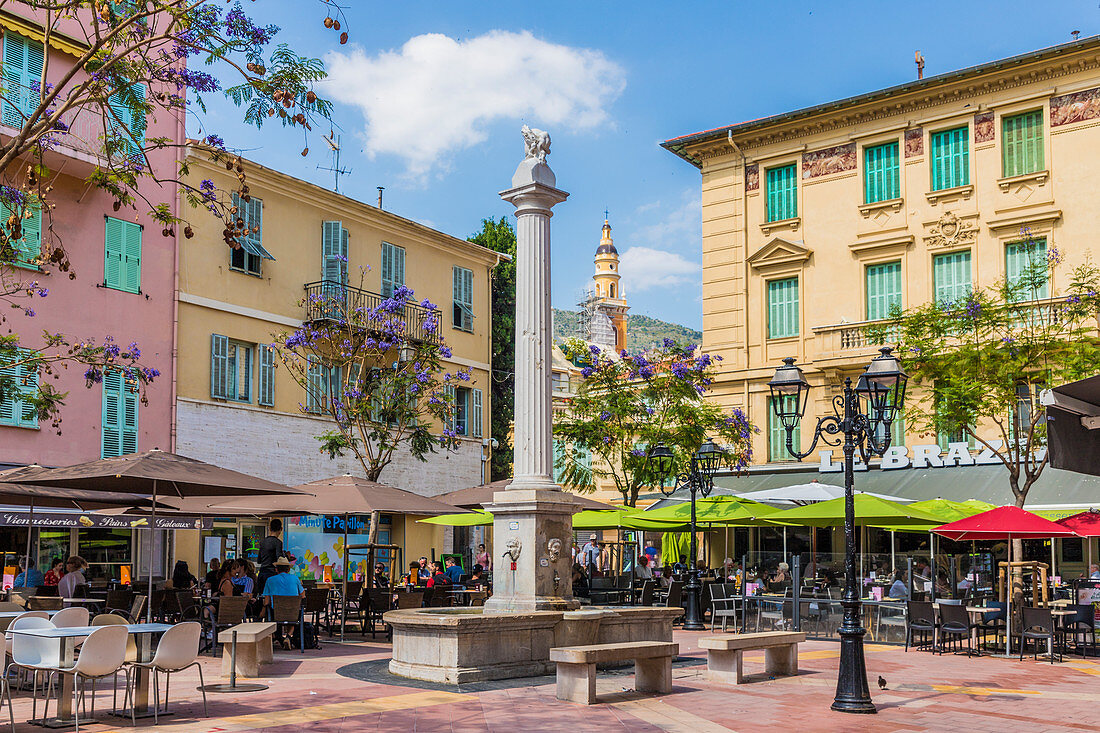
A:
x,y
431,96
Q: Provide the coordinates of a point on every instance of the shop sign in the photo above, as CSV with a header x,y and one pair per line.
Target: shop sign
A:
x,y
102,521
333,523
923,456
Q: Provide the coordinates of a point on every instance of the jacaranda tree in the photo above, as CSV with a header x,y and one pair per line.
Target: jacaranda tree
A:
x,y
628,403
374,367
977,363
125,64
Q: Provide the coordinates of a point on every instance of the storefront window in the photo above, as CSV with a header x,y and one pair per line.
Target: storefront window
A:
x,y
52,543
106,551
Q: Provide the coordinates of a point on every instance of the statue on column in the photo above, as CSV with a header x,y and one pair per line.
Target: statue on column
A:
x,y
536,142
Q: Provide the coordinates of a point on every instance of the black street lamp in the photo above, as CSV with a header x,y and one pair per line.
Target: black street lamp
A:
x,y
699,479
861,418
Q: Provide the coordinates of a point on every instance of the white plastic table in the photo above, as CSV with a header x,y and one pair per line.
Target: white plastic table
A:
x,y
67,638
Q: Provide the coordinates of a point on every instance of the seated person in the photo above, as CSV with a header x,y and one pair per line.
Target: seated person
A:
x,y
425,570
182,579
53,575
210,582
29,577
580,581
238,577
679,568
477,577
453,571
899,588
665,579
282,583
411,578
439,578
642,570
73,577
380,579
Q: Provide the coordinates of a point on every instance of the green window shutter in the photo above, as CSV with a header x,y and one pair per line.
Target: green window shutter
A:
x,y
317,378
129,404
113,244
462,287
883,289
219,366
783,308
29,248
777,434
17,409
950,158
112,418
393,268
334,252
137,121
131,257
475,414
782,192
128,119
1019,257
265,386
951,276
1022,143
23,60
452,405
881,173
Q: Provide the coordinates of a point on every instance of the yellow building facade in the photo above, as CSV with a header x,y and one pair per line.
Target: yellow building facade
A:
x,y
815,222
235,410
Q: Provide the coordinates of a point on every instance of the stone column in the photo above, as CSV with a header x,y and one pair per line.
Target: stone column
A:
x,y
533,524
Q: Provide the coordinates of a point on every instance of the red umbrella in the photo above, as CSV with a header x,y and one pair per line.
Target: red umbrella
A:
x,y
1004,523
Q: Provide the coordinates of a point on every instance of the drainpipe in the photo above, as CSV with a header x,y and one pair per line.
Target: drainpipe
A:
x,y
181,152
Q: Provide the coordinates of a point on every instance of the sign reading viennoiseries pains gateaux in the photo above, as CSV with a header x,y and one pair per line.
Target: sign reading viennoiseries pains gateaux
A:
x,y
923,456
60,520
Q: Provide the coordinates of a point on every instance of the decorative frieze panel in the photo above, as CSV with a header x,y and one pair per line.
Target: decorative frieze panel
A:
x,y
951,231
837,159
983,127
752,177
1076,107
914,142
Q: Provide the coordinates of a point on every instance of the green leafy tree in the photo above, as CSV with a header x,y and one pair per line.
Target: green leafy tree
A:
x,y
628,403
499,236
375,370
978,363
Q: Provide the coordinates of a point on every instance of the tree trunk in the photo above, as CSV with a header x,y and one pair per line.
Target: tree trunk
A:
x,y
1016,584
372,535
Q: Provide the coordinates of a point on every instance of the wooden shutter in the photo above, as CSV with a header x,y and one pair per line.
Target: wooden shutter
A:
x,y
334,252
393,268
29,248
1021,255
782,191
219,366
783,308
950,158
951,276
777,434
111,423
1022,143
883,289
114,243
129,427
316,383
23,60
16,409
475,414
452,405
880,173
131,257
265,387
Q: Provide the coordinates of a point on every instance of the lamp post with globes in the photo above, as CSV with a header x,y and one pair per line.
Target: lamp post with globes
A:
x,y
699,479
861,419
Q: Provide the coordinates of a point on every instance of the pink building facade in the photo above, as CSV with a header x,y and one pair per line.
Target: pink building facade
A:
x,y
124,287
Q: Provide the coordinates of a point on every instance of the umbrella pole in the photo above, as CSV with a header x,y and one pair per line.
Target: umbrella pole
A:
x,y
785,545
344,584
1008,601
152,542
30,523
893,562
1053,570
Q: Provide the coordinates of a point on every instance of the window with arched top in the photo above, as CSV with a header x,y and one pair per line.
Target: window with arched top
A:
x,y
612,290
598,293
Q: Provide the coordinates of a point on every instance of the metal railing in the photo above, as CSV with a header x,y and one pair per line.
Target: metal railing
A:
x,y
331,300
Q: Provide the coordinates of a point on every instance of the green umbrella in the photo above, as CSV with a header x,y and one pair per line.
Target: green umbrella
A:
x,y
472,519
602,518
870,511
945,509
714,510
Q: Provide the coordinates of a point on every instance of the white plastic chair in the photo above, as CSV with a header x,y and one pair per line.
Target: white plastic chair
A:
x,y
34,654
70,617
102,655
178,650
26,614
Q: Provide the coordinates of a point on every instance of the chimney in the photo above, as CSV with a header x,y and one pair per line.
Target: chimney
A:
x,y
380,190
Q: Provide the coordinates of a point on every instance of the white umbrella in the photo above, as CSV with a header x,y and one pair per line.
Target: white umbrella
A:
x,y
810,493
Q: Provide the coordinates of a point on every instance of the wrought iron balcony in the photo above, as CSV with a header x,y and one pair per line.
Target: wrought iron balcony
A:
x,y
329,300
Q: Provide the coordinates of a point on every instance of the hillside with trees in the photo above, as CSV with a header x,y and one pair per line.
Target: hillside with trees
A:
x,y
641,331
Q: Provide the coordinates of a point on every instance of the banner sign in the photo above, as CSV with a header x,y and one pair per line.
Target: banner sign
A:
x,y
923,456
333,522
102,521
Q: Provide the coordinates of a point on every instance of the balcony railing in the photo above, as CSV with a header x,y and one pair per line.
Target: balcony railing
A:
x,y
330,300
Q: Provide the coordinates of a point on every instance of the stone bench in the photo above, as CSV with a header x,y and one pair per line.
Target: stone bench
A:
x,y
724,663
576,677
253,648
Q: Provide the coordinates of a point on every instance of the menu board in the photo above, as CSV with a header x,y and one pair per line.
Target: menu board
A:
x,y
1088,593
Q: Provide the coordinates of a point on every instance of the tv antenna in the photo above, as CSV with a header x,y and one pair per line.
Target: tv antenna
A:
x,y
333,141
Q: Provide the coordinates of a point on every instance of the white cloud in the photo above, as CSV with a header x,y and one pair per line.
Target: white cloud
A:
x,y
678,229
437,95
644,268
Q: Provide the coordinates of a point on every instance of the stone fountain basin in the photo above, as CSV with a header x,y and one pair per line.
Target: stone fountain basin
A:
x,y
456,645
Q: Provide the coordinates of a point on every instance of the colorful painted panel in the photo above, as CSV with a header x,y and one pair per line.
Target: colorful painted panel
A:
x,y
914,142
829,161
1076,107
983,127
752,177
317,542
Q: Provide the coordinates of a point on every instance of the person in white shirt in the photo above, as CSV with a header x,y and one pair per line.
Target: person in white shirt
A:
x,y
899,589
642,571
1094,572
73,577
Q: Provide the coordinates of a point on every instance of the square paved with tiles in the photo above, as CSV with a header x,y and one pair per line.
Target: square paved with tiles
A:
x,y
924,693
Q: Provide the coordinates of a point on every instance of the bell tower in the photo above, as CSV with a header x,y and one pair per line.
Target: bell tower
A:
x,y
610,300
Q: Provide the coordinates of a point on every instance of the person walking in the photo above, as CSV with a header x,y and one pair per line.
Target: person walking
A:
x,y
269,550
590,556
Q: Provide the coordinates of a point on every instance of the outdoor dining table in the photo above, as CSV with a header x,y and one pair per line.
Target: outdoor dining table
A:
x,y
67,637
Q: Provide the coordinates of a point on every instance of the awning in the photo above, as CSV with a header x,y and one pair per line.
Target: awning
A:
x,y
1073,425
1055,488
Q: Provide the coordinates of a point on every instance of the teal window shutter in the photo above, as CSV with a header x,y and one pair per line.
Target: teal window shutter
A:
x,y
883,289
476,413
393,268
1022,143
318,381
951,275
23,61
881,173
122,255
782,192
452,404
462,282
27,249
783,308
334,252
22,383
265,387
128,122
251,253
950,158
1022,258
120,415
777,434
131,257
219,366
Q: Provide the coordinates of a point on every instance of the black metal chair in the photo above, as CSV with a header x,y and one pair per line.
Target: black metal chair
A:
x,y
675,593
288,610
1038,625
646,598
1083,625
317,607
378,602
920,618
993,622
955,625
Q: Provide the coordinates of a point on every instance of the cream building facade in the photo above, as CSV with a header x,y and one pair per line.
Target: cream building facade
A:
x,y
815,222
